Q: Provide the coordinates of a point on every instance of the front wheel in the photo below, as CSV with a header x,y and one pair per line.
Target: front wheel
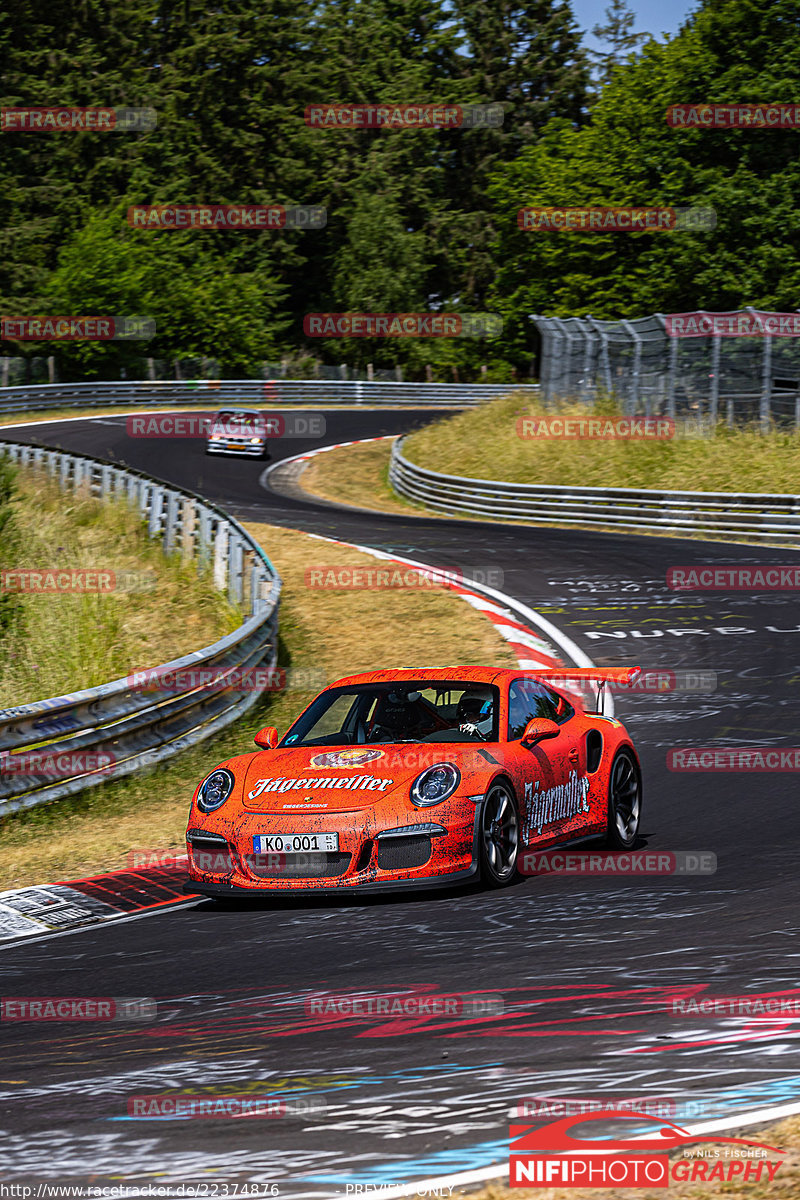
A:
x,y
499,836
624,801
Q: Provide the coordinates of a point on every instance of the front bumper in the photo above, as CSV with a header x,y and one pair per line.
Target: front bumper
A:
x,y
415,853
243,449
222,890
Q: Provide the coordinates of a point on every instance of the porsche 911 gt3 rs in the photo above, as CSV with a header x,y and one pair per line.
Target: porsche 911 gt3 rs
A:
x,y
415,778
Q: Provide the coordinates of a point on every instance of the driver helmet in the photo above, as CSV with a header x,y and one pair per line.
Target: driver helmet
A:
x,y
475,712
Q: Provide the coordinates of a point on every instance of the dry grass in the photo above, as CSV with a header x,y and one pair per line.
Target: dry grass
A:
x,y
63,642
337,632
483,443
786,1185
357,475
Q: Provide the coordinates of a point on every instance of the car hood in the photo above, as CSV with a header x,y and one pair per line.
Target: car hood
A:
x,y
341,779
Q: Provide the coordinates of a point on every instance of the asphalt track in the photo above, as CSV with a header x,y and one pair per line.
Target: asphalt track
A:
x,y
586,967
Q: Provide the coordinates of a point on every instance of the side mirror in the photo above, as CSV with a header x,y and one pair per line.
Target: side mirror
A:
x,y
539,729
268,738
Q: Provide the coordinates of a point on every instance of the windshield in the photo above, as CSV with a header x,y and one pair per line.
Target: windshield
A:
x,y
236,417
377,713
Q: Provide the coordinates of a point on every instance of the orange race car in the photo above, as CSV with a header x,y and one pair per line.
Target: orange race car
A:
x,y
416,778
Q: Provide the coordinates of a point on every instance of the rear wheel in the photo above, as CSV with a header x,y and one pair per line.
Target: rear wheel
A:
x,y
499,836
624,801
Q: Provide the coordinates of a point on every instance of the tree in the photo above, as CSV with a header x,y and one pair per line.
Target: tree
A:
x,y
746,50
206,310
618,34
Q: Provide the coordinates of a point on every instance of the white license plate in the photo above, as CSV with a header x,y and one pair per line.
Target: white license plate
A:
x,y
294,843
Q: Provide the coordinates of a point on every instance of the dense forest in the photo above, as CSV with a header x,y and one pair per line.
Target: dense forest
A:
x,y
418,220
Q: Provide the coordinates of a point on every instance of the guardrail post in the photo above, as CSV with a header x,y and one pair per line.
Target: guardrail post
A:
x,y
188,527
221,555
633,386
156,506
765,405
170,538
203,538
248,560
713,400
587,387
235,569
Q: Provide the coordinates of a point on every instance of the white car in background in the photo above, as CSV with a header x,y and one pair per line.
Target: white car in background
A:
x,y
241,431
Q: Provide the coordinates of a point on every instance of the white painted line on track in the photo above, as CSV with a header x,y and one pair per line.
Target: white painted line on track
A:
x,y
499,1171
36,939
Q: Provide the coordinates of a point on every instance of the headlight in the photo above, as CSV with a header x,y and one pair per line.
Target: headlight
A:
x,y
214,790
215,437
434,785
256,441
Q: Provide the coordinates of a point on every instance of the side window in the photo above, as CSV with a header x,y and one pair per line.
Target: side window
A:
x,y
528,699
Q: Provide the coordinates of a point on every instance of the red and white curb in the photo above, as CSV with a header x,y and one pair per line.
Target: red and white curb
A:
x,y
384,437
54,908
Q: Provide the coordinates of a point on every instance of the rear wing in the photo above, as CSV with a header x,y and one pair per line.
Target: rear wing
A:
x,y
598,678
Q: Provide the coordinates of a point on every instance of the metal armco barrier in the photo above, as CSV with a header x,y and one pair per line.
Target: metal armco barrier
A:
x,y
209,393
771,518
133,728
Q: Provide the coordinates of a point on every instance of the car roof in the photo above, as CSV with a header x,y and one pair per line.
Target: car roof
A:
x,y
466,674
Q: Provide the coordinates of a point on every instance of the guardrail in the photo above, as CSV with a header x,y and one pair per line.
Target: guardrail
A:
x,y
134,728
211,393
773,517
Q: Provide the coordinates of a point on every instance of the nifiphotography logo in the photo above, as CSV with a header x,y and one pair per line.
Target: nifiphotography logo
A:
x,y
550,1157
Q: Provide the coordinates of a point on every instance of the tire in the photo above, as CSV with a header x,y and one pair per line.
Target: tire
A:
x,y
499,836
624,801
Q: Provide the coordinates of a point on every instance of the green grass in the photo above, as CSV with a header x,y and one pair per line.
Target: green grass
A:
x,y
54,643
483,443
